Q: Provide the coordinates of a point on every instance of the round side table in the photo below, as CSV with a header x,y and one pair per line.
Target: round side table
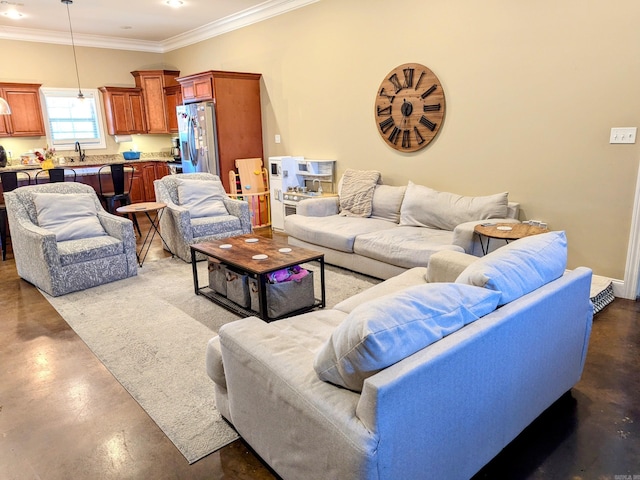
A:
x,y
505,231
147,208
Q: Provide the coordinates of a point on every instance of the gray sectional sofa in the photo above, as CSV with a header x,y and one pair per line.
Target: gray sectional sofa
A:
x,y
403,228
367,390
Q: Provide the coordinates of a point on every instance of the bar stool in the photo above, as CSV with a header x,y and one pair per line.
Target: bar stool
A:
x,y
55,175
120,191
10,181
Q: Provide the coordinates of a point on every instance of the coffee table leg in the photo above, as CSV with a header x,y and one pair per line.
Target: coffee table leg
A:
x,y
194,269
262,297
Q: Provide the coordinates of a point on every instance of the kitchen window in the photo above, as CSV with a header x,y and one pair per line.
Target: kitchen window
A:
x,y
69,120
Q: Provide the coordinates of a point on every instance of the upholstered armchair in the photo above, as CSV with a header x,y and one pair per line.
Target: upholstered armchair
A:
x,y
198,210
64,241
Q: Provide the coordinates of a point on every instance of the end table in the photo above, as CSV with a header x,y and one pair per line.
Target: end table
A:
x,y
505,231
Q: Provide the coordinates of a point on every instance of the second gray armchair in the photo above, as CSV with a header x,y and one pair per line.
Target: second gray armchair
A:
x,y
198,210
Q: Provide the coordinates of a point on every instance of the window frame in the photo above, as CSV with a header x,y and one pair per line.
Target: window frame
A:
x,y
91,93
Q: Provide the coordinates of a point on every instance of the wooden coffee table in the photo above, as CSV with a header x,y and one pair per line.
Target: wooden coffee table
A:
x,y
505,231
239,256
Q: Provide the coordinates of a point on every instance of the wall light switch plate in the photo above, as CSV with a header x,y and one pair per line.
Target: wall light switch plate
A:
x,y
623,135
277,138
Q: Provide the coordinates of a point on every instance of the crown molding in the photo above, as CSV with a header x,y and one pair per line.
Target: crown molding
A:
x,y
264,11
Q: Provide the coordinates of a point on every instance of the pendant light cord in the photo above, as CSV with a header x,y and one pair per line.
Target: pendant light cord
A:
x,y
73,45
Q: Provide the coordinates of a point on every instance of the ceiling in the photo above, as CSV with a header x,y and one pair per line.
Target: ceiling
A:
x,y
146,25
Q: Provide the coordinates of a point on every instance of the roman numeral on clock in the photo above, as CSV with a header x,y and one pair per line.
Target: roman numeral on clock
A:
x,y
431,108
422,74
406,139
395,134
386,95
383,111
396,82
408,77
432,89
427,123
419,138
386,124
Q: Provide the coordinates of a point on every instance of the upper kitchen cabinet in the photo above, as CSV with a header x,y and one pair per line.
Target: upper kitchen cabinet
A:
x,y
124,110
198,87
173,95
26,113
160,109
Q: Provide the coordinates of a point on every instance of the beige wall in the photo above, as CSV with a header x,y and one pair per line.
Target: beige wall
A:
x,y
532,91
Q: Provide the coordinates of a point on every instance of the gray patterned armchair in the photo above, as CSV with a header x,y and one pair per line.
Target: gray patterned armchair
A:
x,y
60,264
181,228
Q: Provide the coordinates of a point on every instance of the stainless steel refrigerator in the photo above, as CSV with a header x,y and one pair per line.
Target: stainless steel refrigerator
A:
x,y
198,138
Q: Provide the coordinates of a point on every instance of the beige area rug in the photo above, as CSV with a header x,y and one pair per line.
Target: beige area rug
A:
x,y
151,332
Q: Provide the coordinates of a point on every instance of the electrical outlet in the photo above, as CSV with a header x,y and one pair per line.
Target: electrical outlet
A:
x,y
623,135
9,155
277,138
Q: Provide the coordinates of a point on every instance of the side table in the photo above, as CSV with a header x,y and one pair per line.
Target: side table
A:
x,y
146,208
505,231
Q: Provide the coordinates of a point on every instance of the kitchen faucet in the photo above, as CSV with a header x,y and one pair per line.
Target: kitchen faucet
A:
x,y
80,151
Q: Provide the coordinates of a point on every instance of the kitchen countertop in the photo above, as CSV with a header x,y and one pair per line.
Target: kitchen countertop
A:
x,y
92,162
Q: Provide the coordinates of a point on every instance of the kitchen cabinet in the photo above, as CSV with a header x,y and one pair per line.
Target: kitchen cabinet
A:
x,y
238,114
173,95
124,110
26,118
159,113
144,174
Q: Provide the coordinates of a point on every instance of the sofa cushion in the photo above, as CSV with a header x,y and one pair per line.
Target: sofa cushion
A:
x,y
335,231
201,198
519,267
207,226
381,332
74,252
404,246
387,200
69,216
425,207
356,192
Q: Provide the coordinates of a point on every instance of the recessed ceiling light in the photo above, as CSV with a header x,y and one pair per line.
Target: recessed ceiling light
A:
x,y
174,3
14,14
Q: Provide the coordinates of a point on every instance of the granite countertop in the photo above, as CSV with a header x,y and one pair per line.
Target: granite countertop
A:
x,y
93,161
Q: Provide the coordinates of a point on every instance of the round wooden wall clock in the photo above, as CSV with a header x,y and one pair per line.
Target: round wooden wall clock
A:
x,y
409,107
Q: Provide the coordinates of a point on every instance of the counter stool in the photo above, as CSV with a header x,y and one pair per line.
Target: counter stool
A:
x,y
120,190
10,181
55,175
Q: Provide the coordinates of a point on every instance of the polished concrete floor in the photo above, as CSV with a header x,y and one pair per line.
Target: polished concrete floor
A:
x,y
64,416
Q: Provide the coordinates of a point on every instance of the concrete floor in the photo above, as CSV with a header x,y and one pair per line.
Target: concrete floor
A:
x,y
64,416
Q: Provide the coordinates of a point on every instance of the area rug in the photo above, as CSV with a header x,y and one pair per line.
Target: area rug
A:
x,y
151,332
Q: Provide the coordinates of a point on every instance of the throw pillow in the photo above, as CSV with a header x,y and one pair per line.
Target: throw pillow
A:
x,y
387,200
519,267
425,207
201,198
356,193
69,216
381,332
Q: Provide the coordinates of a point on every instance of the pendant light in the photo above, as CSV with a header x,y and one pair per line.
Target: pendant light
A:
x,y
73,45
5,109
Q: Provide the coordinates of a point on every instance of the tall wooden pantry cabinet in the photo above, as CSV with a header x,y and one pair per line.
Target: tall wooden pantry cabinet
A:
x,y
236,98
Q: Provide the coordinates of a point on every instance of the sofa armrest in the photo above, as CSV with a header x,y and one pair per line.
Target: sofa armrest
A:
x,y
447,265
181,221
319,207
240,209
464,236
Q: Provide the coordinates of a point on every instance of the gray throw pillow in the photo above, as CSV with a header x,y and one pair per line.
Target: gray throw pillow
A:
x,y
69,216
201,198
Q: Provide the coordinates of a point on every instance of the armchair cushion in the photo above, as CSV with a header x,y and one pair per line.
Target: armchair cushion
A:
x,y
70,217
425,207
202,199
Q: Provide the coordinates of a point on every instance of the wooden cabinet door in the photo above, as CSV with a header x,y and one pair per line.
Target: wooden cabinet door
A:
x,y
148,176
137,185
153,83
173,97
26,118
124,110
162,170
197,88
